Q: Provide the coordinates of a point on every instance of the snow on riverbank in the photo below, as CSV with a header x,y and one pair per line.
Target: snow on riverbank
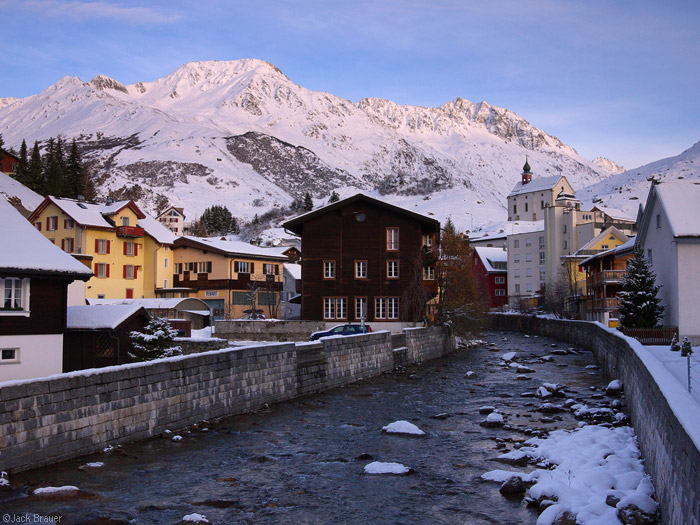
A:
x,y
678,366
594,467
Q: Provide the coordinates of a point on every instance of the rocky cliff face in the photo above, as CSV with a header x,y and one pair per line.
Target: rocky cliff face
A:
x,y
241,131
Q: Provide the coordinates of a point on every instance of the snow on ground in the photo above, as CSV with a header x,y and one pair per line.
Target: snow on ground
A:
x,y
55,490
196,518
678,366
590,464
509,356
403,427
377,467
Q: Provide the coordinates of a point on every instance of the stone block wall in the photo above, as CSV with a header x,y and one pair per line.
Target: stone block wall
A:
x,y
670,454
44,421
267,330
190,346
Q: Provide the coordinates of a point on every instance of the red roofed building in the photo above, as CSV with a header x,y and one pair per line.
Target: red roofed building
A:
x,y
491,269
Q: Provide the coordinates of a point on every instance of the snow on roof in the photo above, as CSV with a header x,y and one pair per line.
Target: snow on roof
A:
x,y
96,317
627,246
613,213
610,230
155,229
240,247
294,270
490,255
84,213
501,230
538,184
30,250
9,187
151,304
681,201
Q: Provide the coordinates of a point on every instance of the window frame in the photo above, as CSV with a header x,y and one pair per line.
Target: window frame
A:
x,y
396,264
499,279
429,273
21,284
14,360
392,244
339,304
360,265
329,269
358,301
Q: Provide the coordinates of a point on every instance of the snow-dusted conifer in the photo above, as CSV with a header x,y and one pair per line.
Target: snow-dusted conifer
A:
x,y
308,202
686,348
156,342
675,347
639,301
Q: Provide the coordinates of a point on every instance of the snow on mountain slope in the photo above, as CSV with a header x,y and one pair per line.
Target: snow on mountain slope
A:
x,y
607,165
241,133
628,190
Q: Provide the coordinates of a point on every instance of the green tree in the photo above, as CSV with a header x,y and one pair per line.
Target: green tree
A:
x,y
34,170
75,173
54,169
217,220
22,171
308,202
639,302
157,341
334,197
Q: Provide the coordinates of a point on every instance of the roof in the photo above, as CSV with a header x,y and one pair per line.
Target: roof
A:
x,y
613,213
489,255
10,187
181,211
233,248
152,304
681,202
623,249
610,230
100,317
33,253
155,229
294,270
539,184
87,213
295,225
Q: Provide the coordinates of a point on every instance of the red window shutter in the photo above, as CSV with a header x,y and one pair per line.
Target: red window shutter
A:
x,y
65,223
107,270
124,247
48,227
97,246
63,245
108,243
39,225
136,272
136,248
124,271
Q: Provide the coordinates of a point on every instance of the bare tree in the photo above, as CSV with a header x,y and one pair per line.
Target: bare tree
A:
x,y
416,296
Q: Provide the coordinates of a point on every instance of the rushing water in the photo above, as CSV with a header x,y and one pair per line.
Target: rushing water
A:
x,y
302,461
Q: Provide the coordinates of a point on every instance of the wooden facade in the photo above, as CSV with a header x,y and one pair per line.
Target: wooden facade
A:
x,y
47,304
362,251
8,162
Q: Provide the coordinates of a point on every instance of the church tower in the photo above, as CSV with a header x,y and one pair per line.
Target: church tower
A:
x,y
527,174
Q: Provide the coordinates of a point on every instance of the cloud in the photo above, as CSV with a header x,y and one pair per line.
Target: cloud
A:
x,y
81,11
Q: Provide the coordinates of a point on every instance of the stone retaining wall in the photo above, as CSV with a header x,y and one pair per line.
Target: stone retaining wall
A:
x,y
44,421
267,330
670,454
190,346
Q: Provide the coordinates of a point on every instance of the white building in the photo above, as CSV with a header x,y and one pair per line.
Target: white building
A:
x,y
526,263
174,219
291,300
669,234
529,197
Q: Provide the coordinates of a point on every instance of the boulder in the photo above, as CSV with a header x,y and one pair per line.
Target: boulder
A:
x,y
513,487
633,515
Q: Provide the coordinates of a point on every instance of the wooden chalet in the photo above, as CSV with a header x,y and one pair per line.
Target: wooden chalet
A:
x,y
361,255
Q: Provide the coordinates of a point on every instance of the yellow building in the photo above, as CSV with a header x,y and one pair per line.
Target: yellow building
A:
x,y
233,277
128,251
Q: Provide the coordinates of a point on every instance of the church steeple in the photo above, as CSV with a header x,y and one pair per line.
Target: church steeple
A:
x,y
527,174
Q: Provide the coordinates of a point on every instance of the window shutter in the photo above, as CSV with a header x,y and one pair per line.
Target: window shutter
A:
x,y
48,227
39,225
124,267
136,272
108,243
124,247
65,224
252,267
136,248
63,245
97,246
277,269
107,270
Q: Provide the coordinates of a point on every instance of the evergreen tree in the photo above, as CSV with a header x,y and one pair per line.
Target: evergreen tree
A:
x,y
308,202
334,197
34,171
156,342
449,228
75,173
256,219
22,171
217,220
639,303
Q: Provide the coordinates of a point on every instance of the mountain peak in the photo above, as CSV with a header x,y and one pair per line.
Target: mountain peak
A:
x,y
607,165
103,82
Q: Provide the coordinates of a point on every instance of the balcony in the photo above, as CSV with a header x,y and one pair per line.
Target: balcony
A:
x,y
129,231
604,305
605,277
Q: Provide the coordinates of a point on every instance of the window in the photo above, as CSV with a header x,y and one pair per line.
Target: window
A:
x,y
604,246
542,275
528,257
515,208
270,269
392,269
528,272
528,241
529,287
542,205
165,283
125,221
658,220
360,308
100,296
500,292
649,258
67,244
165,262
428,273
267,298
102,246
428,241
526,207
68,224
517,288
516,258
191,267
335,308
516,243
239,298
15,294
565,228
516,272
204,267
178,267
129,271
541,242
129,248
386,308
360,269
51,223
542,258
329,271
165,249
242,267
9,355
392,239
37,225
102,270
500,280
566,245
129,293
392,307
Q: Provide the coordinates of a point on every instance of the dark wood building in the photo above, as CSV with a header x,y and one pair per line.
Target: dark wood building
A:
x,y
8,162
360,257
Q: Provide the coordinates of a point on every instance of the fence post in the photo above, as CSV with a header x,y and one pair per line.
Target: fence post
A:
x,y
689,386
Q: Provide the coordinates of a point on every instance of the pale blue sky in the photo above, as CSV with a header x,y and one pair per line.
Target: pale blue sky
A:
x,y
613,78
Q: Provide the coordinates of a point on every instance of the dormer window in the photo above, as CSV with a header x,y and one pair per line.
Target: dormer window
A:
x,y
125,221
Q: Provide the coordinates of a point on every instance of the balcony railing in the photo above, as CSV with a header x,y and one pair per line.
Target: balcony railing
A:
x,y
129,231
605,277
606,304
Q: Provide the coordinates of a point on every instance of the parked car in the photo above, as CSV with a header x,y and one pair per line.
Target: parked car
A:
x,y
342,329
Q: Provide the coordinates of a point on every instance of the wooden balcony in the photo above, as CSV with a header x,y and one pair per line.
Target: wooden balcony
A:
x,y
607,304
605,277
130,231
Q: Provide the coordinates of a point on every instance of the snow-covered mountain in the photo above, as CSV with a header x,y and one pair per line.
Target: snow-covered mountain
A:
x,y
241,133
627,190
607,165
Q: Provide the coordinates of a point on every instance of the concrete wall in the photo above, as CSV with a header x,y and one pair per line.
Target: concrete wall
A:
x,y
670,454
44,421
267,330
37,356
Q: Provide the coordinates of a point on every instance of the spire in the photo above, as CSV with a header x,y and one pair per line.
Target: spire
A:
x,y
527,174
